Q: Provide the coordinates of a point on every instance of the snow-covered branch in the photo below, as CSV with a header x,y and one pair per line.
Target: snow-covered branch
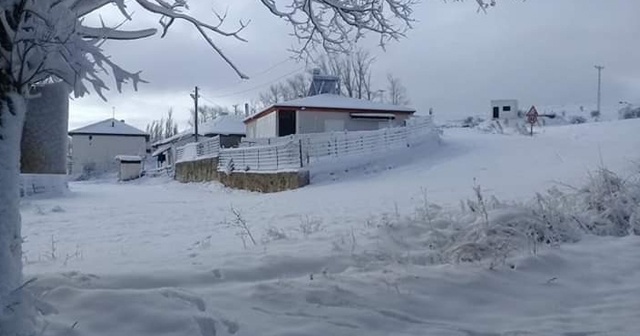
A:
x,y
335,25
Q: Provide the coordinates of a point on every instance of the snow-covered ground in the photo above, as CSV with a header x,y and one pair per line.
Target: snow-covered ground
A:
x,y
155,257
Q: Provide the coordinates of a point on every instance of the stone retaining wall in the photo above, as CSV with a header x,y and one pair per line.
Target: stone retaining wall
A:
x,y
207,170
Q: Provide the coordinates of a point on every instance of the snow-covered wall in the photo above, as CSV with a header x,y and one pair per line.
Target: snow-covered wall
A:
x,y
97,152
44,138
43,184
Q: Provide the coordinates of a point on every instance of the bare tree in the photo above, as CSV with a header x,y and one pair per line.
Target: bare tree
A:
x,y
397,93
162,128
49,40
208,112
354,70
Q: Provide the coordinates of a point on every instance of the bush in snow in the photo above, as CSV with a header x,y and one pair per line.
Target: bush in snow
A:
x,y
629,112
595,114
577,119
273,233
487,230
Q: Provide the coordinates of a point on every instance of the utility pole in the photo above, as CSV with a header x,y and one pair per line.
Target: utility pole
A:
x,y
195,97
600,68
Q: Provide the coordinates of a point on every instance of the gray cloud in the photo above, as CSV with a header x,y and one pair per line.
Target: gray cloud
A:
x,y
455,60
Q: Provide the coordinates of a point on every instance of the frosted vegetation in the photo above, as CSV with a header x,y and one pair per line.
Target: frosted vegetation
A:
x,y
488,230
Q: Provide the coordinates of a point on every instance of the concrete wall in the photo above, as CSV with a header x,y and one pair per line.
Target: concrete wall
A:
x,y
207,170
100,151
266,182
309,121
44,138
197,171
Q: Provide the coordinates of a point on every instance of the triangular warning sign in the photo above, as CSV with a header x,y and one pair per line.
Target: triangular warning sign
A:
x,y
532,112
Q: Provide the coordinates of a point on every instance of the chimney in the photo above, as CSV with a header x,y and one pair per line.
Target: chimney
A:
x,y
246,109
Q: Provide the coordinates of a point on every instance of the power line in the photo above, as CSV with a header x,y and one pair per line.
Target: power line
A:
x,y
259,86
242,81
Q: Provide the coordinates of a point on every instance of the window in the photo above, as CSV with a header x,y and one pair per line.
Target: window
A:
x,y
506,108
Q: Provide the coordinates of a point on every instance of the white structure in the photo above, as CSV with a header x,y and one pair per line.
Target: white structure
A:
x,y
230,128
504,109
94,147
130,167
325,113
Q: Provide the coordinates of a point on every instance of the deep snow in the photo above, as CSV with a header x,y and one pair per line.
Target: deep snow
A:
x,y
155,257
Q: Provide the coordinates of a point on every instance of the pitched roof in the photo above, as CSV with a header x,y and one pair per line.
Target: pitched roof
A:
x,y
224,124
337,102
221,125
109,127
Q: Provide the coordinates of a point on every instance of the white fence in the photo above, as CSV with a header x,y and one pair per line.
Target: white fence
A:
x,y
317,146
297,151
280,157
198,150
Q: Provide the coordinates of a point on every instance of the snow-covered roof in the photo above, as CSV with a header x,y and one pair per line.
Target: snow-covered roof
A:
x,y
109,127
128,158
337,102
221,125
163,148
225,125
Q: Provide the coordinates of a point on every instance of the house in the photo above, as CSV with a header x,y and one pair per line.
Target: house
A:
x,y
94,147
230,129
324,113
504,109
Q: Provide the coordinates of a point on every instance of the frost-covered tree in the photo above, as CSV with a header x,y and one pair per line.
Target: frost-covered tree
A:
x,y
49,40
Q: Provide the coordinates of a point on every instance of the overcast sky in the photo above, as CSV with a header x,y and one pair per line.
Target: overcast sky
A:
x,y
455,60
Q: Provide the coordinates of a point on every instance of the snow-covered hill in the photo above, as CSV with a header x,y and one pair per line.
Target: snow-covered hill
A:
x,y
155,257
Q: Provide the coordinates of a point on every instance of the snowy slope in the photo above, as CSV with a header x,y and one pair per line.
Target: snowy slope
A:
x,y
156,257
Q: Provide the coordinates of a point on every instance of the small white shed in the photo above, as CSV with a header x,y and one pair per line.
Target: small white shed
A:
x,y
504,109
129,167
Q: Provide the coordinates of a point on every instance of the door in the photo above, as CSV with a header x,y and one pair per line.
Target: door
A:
x,y
334,125
496,112
286,123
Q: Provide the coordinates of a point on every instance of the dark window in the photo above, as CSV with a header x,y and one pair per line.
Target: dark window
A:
x,y
506,108
496,112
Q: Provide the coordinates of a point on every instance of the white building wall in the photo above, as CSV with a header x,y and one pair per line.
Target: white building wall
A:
x,y
101,150
266,126
507,109
320,121
129,171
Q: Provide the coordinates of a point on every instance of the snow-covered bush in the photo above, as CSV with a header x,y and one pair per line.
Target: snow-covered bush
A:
x,y
487,230
577,119
471,121
629,112
595,114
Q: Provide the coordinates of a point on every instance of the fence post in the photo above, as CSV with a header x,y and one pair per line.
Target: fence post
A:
x,y
258,168
300,151
277,159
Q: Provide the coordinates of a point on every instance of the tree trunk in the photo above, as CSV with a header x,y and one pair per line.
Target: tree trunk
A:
x,y
13,307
